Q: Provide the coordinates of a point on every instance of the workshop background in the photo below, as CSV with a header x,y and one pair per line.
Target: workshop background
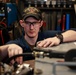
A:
x,y
57,15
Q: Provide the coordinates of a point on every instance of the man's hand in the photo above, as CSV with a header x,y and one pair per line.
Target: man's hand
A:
x,y
48,42
14,49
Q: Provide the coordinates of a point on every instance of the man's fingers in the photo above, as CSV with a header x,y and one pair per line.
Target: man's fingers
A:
x,y
47,44
41,44
12,62
10,52
13,52
51,44
20,58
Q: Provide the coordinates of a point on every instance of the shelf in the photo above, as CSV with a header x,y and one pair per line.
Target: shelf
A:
x,y
46,8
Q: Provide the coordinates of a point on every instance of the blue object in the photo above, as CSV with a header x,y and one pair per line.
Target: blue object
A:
x,y
11,13
67,21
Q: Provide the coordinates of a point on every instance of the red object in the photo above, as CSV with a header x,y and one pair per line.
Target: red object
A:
x,y
44,24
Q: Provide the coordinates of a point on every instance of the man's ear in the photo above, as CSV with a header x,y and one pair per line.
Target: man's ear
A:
x,y
41,23
21,23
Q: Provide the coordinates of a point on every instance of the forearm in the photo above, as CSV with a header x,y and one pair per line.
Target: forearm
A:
x,y
3,51
69,35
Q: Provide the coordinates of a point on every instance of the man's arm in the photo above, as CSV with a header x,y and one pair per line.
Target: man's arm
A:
x,y
11,50
68,36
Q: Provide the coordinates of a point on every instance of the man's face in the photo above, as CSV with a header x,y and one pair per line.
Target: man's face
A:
x,y
31,27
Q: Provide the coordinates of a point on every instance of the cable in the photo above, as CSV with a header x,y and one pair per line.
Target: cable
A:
x,y
40,54
13,57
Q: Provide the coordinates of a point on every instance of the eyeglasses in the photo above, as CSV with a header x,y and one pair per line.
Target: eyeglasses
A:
x,y
31,23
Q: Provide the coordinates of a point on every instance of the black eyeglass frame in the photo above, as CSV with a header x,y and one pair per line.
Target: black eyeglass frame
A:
x,y
32,23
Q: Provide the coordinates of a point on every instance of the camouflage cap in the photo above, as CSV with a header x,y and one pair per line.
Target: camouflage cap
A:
x,y
32,12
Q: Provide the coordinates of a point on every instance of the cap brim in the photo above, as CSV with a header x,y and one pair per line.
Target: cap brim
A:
x,y
31,15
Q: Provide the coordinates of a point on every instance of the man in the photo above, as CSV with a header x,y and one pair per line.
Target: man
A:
x,y
31,23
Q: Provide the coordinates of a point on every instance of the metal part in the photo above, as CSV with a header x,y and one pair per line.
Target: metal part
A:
x,y
61,64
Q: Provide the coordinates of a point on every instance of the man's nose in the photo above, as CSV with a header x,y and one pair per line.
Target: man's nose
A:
x,y
31,26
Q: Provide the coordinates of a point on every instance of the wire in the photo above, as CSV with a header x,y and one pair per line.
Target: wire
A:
x,y
23,54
